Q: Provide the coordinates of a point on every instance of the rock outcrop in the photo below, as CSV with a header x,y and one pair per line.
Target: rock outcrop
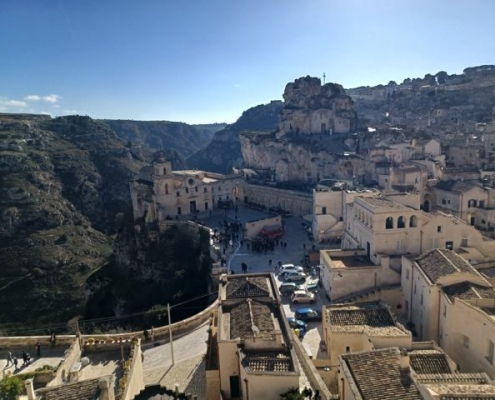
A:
x,y
311,108
224,151
158,135
64,181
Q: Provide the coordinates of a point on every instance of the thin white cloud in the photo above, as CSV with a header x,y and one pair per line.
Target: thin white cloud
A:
x,y
50,98
32,97
56,106
9,105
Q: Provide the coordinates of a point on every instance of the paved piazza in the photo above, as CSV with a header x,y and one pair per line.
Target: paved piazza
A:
x,y
188,371
297,239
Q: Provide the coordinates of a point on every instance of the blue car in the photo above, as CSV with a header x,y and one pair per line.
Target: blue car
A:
x,y
307,314
297,323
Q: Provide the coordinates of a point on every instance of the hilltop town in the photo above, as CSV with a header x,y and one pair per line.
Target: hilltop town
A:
x,y
384,198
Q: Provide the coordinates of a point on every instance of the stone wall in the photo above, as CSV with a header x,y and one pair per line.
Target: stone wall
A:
x,y
72,355
312,374
297,203
253,228
133,379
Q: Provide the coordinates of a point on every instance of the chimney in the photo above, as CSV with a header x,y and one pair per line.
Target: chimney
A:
x,y
404,359
106,393
28,383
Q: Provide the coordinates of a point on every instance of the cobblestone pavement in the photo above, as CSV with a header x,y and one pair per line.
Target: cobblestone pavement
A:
x,y
49,356
188,371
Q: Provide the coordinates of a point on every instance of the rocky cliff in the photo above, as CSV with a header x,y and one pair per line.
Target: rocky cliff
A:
x,y
63,183
313,137
310,107
157,135
224,151
441,103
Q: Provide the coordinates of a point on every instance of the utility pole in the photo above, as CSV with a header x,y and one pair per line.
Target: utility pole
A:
x,y
170,333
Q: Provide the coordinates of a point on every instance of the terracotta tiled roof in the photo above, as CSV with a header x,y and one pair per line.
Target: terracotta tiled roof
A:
x,y
468,290
455,186
457,378
268,361
246,287
459,386
249,316
442,262
82,390
378,376
429,362
372,317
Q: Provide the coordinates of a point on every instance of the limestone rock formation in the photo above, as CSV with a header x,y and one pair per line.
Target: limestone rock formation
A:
x,y
311,108
159,135
63,182
224,151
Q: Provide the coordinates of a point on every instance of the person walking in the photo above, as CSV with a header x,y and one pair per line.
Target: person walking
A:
x,y
15,364
10,359
37,347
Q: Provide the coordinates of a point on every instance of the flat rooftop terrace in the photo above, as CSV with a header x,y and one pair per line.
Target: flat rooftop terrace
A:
x,y
350,261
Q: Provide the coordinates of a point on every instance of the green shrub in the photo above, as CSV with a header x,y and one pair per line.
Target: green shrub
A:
x,y
11,387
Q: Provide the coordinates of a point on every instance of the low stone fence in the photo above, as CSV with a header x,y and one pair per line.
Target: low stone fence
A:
x,y
132,382
28,342
72,355
314,378
114,341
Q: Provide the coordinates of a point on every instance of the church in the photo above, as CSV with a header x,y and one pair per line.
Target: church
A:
x,y
160,193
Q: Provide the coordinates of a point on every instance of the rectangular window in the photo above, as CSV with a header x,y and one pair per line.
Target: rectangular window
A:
x,y
482,203
178,194
407,273
400,246
205,190
421,298
348,349
406,305
439,229
465,341
464,242
195,188
434,243
491,350
179,211
414,288
449,245
187,190
324,210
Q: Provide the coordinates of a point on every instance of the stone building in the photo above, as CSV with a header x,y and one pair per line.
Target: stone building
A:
x,y
431,280
312,108
422,372
350,328
251,338
468,200
160,192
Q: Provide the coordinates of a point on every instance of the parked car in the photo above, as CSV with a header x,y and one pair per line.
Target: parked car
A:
x,y
287,288
290,268
295,277
297,323
302,296
307,314
312,285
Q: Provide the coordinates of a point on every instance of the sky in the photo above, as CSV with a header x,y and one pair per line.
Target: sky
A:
x,y
205,61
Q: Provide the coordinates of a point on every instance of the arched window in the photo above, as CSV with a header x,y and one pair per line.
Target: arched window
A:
x,y
166,188
413,221
389,223
401,222
164,171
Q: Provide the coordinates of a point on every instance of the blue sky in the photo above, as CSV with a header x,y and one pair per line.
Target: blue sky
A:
x,y
201,61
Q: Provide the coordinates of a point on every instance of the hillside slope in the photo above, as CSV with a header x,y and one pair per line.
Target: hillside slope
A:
x,y
224,151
